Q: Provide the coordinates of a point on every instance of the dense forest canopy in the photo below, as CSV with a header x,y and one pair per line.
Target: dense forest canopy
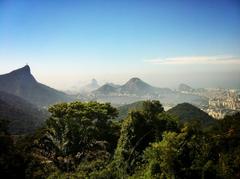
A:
x,y
85,140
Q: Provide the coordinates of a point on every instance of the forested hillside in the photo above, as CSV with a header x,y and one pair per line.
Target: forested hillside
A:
x,y
23,116
84,140
125,109
186,112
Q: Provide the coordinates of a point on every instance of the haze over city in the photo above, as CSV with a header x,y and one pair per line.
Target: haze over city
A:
x,y
67,43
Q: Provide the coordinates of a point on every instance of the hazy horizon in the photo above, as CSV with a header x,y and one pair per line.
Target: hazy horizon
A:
x,y
67,43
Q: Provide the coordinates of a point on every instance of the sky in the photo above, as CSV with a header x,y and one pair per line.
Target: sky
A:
x,y
164,42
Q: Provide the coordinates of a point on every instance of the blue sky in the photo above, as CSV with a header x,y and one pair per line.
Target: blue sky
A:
x,y
163,42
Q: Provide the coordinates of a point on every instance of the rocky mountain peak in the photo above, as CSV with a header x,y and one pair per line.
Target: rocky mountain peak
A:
x,y
134,80
22,83
24,70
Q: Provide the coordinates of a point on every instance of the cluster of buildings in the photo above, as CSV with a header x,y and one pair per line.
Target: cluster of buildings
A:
x,y
220,101
226,102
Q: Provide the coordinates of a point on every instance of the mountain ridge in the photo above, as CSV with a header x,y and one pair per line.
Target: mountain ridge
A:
x,y
21,82
132,86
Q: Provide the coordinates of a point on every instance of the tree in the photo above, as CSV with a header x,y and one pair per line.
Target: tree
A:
x,y
138,130
152,108
181,155
75,128
228,146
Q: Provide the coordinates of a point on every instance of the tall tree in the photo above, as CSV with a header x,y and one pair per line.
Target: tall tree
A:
x,y
138,130
75,128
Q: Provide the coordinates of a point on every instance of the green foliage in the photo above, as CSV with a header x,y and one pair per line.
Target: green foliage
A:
x,y
138,130
81,140
228,146
186,112
180,155
125,109
151,109
74,130
23,117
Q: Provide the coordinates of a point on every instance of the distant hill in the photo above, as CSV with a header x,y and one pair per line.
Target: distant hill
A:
x,y
93,85
106,89
186,111
125,109
114,85
23,116
136,86
137,90
21,83
185,88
